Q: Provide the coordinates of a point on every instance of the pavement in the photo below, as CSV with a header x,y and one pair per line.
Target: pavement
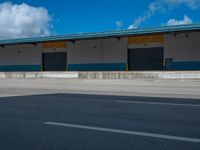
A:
x,y
52,114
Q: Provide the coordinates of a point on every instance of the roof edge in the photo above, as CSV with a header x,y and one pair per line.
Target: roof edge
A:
x,y
94,35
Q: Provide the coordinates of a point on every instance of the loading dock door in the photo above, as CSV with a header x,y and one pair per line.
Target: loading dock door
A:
x,y
145,59
55,61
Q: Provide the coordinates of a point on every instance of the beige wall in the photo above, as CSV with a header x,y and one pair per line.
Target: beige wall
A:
x,y
87,51
181,48
97,51
25,54
115,50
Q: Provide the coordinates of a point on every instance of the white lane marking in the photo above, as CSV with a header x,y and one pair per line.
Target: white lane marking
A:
x,y
157,103
145,134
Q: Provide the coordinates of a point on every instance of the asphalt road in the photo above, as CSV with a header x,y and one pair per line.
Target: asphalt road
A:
x,y
120,115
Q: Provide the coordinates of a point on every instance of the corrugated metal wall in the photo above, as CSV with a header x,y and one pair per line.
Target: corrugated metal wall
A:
x,y
24,57
98,55
184,51
104,54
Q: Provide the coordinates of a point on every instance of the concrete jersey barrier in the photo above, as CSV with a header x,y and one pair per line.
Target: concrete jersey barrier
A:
x,y
36,75
105,75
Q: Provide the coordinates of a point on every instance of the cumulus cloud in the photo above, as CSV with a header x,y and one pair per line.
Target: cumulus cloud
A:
x,y
186,20
163,5
119,24
23,20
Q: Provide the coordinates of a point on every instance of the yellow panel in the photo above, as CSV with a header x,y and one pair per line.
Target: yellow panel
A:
x,y
146,39
48,45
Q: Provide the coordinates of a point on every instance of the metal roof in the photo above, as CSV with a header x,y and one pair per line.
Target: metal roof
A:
x,y
117,33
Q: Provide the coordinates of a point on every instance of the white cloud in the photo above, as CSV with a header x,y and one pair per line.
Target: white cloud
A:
x,y
119,24
192,4
186,20
163,5
137,22
152,8
22,20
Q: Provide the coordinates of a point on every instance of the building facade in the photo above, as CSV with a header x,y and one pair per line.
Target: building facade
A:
x,y
149,49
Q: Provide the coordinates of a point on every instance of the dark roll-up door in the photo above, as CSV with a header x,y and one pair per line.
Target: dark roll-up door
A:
x,y
145,59
55,61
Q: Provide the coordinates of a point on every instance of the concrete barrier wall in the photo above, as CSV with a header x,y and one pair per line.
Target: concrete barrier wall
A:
x,y
180,75
105,75
24,75
118,75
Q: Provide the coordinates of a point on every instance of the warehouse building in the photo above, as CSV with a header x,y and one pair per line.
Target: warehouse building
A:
x,y
159,48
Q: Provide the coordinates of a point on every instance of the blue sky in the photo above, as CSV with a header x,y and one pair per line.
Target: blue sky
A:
x,y
75,16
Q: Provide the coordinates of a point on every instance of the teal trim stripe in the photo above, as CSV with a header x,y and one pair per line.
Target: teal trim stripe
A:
x,y
98,67
193,65
20,68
